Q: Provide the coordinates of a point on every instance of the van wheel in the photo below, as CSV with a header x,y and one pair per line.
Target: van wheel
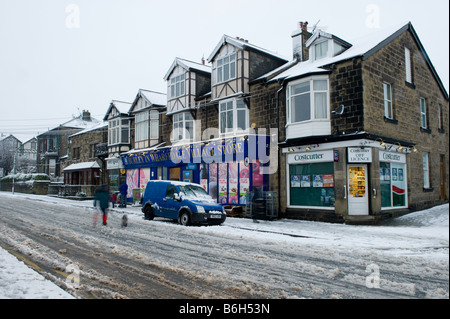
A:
x,y
148,212
184,219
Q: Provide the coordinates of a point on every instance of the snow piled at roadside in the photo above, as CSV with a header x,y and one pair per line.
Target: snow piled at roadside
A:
x,y
17,281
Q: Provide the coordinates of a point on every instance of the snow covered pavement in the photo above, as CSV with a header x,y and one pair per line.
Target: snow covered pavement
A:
x,y
406,257
18,281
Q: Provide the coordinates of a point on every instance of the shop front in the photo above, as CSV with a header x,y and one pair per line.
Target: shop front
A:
x,y
228,169
116,173
345,181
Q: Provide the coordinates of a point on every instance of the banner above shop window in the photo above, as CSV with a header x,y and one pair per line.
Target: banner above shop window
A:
x,y
310,157
359,155
245,148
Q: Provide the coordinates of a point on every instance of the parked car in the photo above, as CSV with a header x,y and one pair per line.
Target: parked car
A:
x,y
188,203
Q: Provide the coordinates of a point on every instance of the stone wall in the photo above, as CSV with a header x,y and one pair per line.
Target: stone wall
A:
x,y
388,65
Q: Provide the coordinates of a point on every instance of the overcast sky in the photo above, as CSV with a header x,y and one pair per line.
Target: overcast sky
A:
x,y
60,57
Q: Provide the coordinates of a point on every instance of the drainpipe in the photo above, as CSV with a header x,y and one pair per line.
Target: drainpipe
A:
x,y
277,106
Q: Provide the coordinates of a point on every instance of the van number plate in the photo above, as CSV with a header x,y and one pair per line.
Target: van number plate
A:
x,y
216,216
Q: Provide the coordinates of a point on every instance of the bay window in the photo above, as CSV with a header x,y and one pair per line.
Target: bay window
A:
x,y
119,131
308,100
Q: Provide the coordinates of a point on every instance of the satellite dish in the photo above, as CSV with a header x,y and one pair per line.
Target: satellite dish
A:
x,y
339,110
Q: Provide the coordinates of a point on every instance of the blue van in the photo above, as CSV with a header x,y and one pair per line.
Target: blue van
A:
x,y
188,203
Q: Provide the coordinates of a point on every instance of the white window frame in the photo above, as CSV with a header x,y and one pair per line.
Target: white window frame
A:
x,y
179,131
426,169
423,113
142,123
312,93
177,86
388,109
321,45
226,68
154,124
408,70
238,110
116,129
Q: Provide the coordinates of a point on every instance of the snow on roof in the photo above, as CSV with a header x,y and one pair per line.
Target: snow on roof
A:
x,y
81,166
99,125
121,106
361,47
187,65
241,44
155,98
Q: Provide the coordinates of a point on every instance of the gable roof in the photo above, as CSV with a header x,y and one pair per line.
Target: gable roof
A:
x,y
363,47
188,66
241,44
121,107
153,98
322,34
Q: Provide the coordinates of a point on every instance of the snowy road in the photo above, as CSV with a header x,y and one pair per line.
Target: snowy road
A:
x,y
280,259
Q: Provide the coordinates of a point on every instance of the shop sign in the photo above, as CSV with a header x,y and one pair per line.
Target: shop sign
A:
x,y
113,163
392,157
219,151
359,155
310,157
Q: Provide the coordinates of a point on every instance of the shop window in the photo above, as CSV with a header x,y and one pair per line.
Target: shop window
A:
x,y
312,185
393,184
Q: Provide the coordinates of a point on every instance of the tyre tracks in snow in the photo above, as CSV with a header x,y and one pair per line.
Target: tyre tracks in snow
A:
x,y
160,259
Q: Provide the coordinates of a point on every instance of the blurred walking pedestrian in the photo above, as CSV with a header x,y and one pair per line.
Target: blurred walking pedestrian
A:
x,y
101,201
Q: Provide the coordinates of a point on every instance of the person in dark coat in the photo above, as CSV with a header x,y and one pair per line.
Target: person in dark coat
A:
x,y
123,194
101,201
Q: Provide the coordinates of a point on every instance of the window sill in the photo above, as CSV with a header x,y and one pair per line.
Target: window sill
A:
x,y
410,85
428,190
392,121
441,130
425,130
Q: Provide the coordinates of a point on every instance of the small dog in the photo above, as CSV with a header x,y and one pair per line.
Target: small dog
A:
x,y
124,220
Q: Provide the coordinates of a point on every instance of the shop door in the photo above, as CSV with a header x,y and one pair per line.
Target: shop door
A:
x,y
358,199
174,173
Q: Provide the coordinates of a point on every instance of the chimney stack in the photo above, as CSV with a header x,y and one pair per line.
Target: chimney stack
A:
x,y
299,38
304,26
86,115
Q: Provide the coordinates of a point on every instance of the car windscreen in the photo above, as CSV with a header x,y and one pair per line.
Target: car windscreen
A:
x,y
196,192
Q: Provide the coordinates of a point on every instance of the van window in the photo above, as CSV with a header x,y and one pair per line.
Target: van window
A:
x,y
171,190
